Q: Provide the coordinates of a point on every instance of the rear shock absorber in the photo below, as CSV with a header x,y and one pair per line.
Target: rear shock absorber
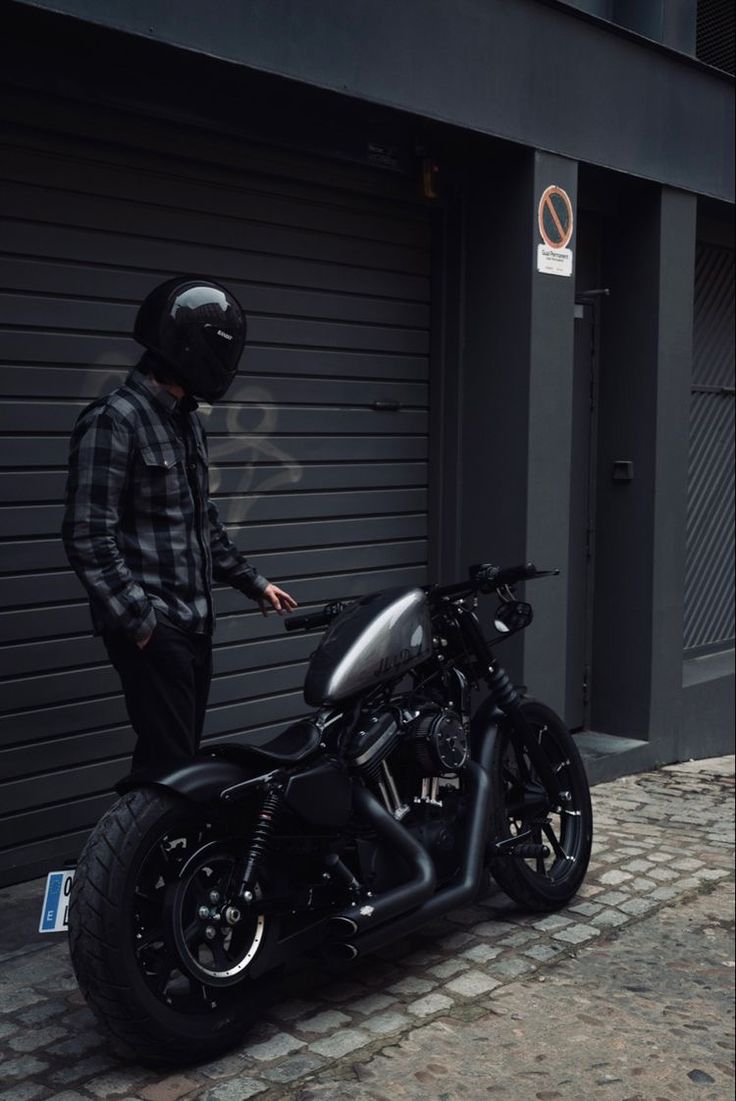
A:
x,y
262,832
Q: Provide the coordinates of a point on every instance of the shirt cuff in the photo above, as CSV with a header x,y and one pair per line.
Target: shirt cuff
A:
x,y
253,586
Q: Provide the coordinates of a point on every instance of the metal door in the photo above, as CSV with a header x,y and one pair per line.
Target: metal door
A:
x,y
709,577
582,514
318,455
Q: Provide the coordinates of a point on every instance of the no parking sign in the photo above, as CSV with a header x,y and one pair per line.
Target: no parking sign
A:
x,y
555,221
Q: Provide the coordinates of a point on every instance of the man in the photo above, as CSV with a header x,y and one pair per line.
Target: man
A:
x,y
140,530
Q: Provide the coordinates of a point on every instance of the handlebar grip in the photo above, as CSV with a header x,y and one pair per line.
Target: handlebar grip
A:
x,y
307,622
487,577
513,574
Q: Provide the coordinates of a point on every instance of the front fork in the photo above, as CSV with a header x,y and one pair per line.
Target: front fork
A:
x,y
509,701
505,697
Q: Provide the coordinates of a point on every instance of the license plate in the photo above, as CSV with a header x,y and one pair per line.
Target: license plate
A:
x,y
55,912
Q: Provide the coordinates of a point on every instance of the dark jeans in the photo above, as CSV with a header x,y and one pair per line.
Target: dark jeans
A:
x,y
166,685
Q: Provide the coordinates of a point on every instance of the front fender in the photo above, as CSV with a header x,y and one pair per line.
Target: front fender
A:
x,y
200,780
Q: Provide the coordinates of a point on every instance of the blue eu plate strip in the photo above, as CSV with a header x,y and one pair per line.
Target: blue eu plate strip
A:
x,y
53,897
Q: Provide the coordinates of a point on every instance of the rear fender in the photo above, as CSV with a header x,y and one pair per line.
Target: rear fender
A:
x,y
202,780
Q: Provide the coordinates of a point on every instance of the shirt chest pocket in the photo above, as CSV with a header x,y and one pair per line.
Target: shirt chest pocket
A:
x,y
162,457
161,471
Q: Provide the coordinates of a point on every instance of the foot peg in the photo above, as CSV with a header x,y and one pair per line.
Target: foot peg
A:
x,y
526,852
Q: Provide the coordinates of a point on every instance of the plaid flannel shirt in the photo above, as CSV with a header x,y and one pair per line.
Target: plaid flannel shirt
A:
x,y
139,528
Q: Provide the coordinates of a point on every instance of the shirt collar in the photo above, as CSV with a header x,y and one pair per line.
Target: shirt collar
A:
x,y
160,394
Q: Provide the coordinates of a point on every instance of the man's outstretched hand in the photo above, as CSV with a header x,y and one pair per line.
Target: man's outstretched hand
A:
x,y
275,598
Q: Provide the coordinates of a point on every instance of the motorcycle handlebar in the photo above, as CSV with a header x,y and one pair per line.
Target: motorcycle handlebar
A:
x,y
492,577
483,578
313,620
306,622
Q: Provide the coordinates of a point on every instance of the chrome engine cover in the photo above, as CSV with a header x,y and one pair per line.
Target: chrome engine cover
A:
x,y
439,742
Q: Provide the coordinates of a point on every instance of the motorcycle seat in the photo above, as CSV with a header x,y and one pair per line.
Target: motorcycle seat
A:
x,y
288,746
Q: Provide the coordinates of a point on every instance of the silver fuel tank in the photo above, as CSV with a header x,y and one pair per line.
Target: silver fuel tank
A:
x,y
378,638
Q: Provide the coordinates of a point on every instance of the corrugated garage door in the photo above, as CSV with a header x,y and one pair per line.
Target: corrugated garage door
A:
x,y
709,582
316,478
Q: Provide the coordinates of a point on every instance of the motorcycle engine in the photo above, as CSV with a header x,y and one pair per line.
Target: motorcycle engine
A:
x,y
373,742
439,742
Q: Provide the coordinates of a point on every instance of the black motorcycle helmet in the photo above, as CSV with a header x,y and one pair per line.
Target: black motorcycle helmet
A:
x,y
198,329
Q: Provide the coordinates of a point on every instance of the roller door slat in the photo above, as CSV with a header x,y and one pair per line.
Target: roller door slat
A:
x,y
248,509
42,417
159,224
98,282
51,836
191,197
55,588
24,664
49,554
107,356
73,619
53,382
96,246
41,486
20,310
45,451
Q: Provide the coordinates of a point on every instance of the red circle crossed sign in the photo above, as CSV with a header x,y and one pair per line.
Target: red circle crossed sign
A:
x,y
555,217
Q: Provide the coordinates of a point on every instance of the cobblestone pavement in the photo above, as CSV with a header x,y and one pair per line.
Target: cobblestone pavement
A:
x,y
624,995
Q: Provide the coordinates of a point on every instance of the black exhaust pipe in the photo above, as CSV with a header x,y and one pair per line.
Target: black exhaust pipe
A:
x,y
398,900
465,889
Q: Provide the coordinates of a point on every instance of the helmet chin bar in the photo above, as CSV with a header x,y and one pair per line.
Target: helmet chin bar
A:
x,y
166,375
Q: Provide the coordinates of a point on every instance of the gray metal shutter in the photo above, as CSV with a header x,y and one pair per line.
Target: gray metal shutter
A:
x,y
709,586
327,493
715,33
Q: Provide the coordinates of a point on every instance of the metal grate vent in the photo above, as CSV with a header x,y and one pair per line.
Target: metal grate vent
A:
x,y
709,582
715,33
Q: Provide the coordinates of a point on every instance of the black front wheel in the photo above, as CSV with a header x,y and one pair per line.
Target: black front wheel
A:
x,y
162,951
558,838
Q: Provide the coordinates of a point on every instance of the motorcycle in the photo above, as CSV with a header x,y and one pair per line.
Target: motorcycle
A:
x,y
390,805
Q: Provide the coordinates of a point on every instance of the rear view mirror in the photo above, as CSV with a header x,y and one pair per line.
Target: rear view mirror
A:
x,y
512,615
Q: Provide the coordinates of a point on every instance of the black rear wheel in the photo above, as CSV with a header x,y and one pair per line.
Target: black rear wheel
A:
x,y
561,836
161,950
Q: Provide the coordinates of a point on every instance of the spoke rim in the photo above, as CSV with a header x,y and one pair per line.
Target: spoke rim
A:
x,y
157,956
528,811
235,946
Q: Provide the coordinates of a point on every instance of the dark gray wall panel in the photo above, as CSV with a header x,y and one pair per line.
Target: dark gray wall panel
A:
x,y
645,364
624,102
327,493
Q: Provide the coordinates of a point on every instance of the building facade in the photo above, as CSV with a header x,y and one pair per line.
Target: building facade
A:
x,y
486,251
